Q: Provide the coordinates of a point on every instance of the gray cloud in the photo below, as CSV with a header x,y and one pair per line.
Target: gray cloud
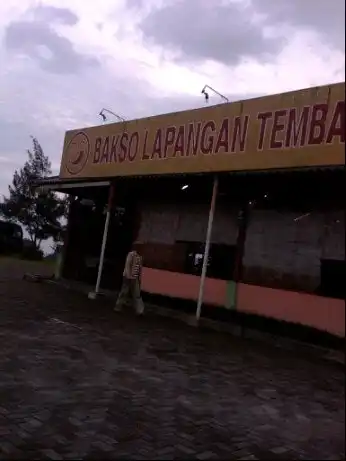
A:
x,y
200,30
51,14
39,41
135,4
327,18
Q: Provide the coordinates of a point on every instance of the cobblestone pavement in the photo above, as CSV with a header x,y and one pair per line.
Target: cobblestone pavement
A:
x,y
79,381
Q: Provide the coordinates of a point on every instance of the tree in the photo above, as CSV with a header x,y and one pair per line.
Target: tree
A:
x,y
38,212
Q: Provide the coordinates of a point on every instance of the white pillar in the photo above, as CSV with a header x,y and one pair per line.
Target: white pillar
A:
x,y
207,246
102,255
94,294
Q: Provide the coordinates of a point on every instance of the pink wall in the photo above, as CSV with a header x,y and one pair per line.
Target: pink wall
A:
x,y
325,314
183,286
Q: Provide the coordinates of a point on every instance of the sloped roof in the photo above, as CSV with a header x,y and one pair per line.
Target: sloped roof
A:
x,y
56,180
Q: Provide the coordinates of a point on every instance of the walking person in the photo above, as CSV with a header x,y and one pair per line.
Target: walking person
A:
x,y
130,292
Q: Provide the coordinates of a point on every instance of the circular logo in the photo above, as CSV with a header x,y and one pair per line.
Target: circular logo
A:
x,y
77,153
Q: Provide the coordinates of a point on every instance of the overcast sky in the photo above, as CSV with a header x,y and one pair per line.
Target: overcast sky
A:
x,y
61,61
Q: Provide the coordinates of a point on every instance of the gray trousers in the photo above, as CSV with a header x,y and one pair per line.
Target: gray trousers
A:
x,y
130,293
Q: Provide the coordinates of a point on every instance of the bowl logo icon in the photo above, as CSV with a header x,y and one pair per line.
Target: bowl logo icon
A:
x,y
77,153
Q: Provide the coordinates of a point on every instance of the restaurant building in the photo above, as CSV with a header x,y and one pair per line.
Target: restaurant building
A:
x,y
238,206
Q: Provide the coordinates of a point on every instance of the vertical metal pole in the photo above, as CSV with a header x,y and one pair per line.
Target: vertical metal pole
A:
x,y
243,221
64,253
104,239
207,246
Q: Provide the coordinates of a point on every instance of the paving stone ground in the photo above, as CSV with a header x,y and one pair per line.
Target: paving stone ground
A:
x,y
79,381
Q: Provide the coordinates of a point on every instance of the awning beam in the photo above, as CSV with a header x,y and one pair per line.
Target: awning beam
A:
x,y
77,185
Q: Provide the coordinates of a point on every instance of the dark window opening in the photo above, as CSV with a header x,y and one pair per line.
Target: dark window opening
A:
x,y
333,275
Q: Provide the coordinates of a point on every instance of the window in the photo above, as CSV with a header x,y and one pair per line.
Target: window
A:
x,y
220,262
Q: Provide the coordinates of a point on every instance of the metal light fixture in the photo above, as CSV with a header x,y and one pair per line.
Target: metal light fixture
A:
x,y
104,118
299,218
184,187
206,94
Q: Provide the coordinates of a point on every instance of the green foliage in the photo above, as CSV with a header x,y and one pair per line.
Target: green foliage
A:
x,y
38,212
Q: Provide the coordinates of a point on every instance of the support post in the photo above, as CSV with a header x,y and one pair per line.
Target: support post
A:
x,y
243,221
93,295
240,250
207,247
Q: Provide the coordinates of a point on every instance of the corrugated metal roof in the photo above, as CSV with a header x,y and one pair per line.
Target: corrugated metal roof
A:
x,y
56,180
